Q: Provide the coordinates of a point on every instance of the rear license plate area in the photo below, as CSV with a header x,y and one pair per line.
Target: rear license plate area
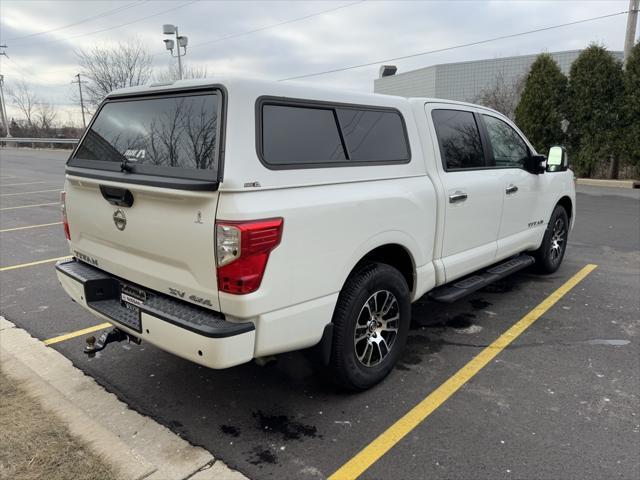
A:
x,y
132,298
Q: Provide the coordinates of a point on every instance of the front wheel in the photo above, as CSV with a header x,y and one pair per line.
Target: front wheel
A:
x,y
554,244
371,322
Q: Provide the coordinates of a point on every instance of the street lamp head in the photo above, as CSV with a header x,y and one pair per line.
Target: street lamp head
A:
x,y
169,44
183,41
168,29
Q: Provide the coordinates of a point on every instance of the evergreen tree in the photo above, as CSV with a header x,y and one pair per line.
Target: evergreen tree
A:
x,y
594,102
631,145
541,107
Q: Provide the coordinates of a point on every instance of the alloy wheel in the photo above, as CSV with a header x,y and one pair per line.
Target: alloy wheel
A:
x,y
376,328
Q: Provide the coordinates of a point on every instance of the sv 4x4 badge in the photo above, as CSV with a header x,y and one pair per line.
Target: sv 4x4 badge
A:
x,y
195,299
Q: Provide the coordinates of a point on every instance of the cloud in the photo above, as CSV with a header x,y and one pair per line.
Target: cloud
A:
x,y
358,33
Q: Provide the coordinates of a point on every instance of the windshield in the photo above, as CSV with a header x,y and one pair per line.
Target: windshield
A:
x,y
149,135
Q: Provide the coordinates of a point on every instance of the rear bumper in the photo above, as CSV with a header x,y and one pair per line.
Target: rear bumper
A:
x,y
191,332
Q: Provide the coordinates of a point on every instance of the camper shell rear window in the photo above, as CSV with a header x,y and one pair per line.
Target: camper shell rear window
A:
x,y
174,135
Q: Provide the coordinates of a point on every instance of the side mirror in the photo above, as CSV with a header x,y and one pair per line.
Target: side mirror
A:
x,y
535,164
557,160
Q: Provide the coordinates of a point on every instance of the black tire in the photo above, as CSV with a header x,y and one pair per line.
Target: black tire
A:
x,y
365,290
554,244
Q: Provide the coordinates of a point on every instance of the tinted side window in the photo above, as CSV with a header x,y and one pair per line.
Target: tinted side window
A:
x,y
459,139
509,149
373,135
295,135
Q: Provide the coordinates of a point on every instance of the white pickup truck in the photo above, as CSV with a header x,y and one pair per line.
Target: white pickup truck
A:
x,y
226,220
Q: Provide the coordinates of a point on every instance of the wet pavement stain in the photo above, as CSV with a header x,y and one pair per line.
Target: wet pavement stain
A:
x,y
500,286
282,424
230,430
261,455
479,304
462,320
417,347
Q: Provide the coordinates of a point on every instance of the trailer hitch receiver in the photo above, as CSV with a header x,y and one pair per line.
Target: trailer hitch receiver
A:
x,y
113,335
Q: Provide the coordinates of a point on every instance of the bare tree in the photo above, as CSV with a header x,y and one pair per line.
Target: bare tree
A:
x,y
45,116
25,99
108,68
171,73
502,95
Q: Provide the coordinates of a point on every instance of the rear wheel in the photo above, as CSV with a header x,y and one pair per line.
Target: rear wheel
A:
x,y
371,322
554,244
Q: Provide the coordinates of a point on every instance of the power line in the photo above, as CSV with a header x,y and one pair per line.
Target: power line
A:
x,y
480,42
84,20
273,25
23,70
120,25
226,37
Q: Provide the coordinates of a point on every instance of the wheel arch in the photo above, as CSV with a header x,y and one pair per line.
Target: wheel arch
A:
x,y
567,204
394,255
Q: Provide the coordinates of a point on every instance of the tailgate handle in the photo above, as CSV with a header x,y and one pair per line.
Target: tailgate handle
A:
x,y
117,196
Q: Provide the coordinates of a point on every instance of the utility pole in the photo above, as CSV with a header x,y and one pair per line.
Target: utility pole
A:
x,y
79,82
3,110
632,20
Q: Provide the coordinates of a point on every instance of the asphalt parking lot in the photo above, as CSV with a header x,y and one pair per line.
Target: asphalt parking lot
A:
x,y
561,401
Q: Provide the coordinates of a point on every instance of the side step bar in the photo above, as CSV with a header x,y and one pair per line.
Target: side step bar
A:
x,y
455,291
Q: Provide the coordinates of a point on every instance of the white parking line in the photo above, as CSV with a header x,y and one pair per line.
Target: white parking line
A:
x,y
27,183
29,206
30,226
26,193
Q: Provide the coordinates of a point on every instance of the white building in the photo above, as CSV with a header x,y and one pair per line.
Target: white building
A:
x,y
464,81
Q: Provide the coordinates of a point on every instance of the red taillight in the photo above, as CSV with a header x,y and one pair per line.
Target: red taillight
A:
x,y
63,208
242,251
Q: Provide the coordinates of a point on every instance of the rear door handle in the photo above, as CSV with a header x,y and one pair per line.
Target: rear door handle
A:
x,y
121,197
457,197
511,189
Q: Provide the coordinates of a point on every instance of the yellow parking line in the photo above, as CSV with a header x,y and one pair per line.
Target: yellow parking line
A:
x,y
26,183
396,432
29,206
77,333
26,193
30,264
30,226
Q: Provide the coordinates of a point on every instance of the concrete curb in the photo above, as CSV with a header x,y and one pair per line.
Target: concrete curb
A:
x,y
136,446
599,182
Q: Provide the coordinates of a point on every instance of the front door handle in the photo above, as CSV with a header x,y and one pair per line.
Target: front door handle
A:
x,y
511,189
457,197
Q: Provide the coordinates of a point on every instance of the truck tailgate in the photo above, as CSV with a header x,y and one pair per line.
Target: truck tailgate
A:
x,y
164,241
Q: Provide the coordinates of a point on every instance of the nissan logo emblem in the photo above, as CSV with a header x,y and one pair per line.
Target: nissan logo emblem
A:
x,y
120,219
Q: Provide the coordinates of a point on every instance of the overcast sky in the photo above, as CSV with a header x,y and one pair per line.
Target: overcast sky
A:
x,y
359,32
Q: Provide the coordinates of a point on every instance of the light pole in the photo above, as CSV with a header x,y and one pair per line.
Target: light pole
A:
x,y
180,42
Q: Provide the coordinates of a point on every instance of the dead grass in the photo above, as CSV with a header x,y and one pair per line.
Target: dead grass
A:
x,y
35,444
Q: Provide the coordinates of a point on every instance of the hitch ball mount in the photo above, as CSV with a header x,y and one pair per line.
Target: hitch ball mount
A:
x,y
111,336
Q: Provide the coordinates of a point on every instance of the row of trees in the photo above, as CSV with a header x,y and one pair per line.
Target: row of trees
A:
x,y
127,64
37,115
102,69
595,112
